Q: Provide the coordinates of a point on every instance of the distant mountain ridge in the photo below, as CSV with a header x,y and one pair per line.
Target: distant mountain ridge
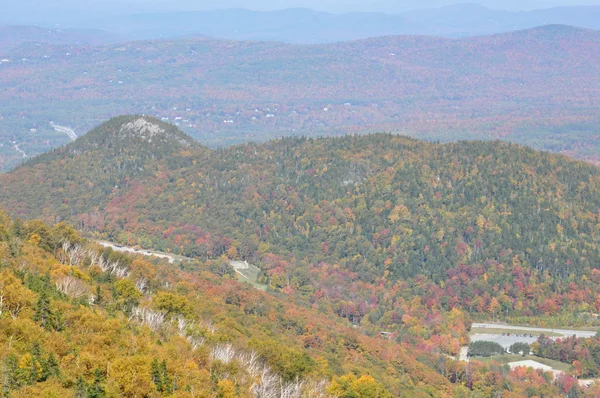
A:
x,y
300,25
306,26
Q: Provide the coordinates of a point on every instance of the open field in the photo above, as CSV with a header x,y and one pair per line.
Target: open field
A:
x,y
247,273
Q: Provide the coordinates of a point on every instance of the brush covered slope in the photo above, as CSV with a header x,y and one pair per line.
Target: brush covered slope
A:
x,y
79,320
84,321
385,232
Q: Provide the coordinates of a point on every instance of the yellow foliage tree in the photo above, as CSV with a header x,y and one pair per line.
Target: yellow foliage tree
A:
x,y
349,386
130,377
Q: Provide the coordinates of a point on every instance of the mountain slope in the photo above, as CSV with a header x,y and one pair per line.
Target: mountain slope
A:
x,y
124,148
540,83
375,249
79,321
385,231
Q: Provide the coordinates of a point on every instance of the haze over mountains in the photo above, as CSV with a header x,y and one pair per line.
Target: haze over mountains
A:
x,y
63,11
14,36
536,86
306,26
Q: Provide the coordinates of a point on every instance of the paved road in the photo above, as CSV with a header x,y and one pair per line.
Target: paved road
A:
x,y
119,248
564,332
66,130
18,149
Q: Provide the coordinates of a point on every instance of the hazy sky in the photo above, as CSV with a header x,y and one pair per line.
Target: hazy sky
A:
x,y
61,11
325,5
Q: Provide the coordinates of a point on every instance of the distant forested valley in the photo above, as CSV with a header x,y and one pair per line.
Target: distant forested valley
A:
x,y
536,87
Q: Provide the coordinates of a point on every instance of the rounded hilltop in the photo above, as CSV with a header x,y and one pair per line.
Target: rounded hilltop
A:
x,y
133,136
133,130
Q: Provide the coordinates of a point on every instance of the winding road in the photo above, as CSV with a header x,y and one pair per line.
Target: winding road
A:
x,y
18,149
119,248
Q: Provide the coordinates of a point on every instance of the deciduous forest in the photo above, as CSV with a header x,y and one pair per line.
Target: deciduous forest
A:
x,y
369,246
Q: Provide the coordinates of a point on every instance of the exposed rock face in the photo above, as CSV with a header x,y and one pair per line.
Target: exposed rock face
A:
x,y
147,130
142,127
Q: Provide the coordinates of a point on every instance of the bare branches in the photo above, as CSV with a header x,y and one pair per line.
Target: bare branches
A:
x,y
112,268
196,342
267,386
15,309
145,316
266,383
141,284
207,325
76,255
223,352
72,255
72,287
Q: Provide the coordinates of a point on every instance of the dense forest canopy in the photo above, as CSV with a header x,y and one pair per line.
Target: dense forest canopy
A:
x,y
385,231
81,321
78,320
396,238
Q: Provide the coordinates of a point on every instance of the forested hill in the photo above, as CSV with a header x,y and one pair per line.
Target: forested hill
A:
x,y
385,231
110,155
138,136
365,190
